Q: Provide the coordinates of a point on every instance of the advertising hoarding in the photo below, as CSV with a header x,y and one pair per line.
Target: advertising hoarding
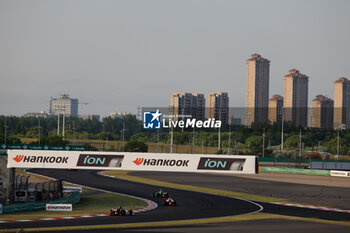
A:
x,y
132,161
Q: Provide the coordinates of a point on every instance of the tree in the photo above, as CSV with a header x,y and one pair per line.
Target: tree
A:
x,y
292,142
105,135
136,146
333,144
89,147
54,140
254,143
32,132
179,138
12,139
139,137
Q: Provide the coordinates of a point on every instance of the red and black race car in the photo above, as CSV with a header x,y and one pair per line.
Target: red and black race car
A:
x,y
71,170
169,202
121,212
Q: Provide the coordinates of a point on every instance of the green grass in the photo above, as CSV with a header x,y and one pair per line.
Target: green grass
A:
x,y
94,203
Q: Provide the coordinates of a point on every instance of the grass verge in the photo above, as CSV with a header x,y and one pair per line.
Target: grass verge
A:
x,y
94,203
248,217
91,202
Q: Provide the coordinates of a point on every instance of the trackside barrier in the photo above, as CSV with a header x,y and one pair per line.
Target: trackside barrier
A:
x,y
295,171
340,173
283,160
299,160
72,198
244,164
334,165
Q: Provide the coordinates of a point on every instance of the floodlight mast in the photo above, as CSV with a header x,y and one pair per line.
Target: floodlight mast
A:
x,y
64,119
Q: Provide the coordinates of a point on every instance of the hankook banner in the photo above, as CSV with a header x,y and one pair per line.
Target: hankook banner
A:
x,y
58,207
132,161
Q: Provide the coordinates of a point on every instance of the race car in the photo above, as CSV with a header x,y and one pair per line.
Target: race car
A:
x,y
71,170
169,202
160,194
121,212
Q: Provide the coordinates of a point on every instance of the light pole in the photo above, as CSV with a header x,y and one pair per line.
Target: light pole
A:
x,y
63,122
235,146
219,136
338,145
300,144
340,127
5,131
58,124
263,152
219,140
158,140
123,134
229,139
171,140
73,132
39,129
193,136
172,130
282,110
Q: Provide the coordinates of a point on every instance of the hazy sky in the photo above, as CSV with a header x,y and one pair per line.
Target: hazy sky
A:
x,y
118,55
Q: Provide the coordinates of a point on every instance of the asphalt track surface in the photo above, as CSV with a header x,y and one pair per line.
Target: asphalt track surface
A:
x,y
191,205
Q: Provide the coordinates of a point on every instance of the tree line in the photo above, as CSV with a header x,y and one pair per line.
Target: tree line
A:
x,y
246,139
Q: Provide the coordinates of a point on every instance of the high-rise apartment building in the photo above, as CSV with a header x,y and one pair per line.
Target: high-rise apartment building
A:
x,y
188,105
322,112
64,105
218,106
342,102
257,90
275,108
295,97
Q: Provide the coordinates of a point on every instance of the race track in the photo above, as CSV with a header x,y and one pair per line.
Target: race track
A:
x,y
191,205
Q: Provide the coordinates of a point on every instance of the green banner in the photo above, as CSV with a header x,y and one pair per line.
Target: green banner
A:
x,y
41,147
295,171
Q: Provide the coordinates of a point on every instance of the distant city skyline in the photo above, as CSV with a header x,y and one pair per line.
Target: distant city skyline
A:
x,y
118,55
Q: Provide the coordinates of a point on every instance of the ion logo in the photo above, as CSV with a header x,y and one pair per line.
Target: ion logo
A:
x,y
18,158
94,161
216,164
151,120
138,161
98,160
221,164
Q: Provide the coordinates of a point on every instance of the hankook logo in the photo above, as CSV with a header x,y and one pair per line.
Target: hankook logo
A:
x,y
18,158
161,162
40,159
138,161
